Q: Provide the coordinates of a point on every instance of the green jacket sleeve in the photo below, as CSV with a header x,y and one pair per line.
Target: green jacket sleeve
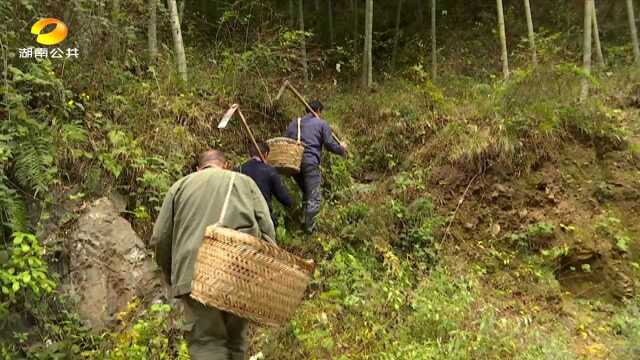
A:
x,y
162,237
263,215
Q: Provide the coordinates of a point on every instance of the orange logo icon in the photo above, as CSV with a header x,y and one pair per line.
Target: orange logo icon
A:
x,y
53,37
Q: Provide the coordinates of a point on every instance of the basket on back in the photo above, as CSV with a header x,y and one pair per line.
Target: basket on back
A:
x,y
249,277
286,154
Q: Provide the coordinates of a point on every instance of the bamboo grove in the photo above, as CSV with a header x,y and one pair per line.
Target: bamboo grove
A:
x,y
364,30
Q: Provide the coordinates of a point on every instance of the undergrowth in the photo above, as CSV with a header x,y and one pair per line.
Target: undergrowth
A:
x,y
381,290
515,124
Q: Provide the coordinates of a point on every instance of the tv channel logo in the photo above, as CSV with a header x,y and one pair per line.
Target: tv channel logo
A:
x,y
53,37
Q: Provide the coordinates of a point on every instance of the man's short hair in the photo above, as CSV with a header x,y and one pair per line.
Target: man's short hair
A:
x,y
264,148
210,156
316,106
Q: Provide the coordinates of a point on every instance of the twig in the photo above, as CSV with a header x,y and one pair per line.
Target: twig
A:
x,y
264,84
464,195
153,71
6,78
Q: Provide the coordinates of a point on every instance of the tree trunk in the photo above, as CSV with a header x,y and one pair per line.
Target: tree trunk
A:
x,y
367,68
396,38
420,15
586,50
115,45
596,34
532,35
332,35
152,33
317,5
292,14
356,23
434,43
177,40
305,66
503,40
634,31
181,11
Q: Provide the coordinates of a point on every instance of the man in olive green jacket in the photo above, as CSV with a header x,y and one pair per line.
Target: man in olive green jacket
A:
x,y
191,204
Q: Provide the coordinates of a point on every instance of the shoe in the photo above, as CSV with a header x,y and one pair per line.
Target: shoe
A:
x,y
309,230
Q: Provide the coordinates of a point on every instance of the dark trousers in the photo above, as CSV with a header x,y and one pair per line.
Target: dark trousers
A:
x,y
309,180
213,334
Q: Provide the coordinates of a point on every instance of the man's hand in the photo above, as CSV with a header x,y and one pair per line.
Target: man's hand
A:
x,y
345,147
268,239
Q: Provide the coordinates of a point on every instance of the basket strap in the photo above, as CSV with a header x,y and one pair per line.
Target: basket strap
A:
x,y
299,130
226,200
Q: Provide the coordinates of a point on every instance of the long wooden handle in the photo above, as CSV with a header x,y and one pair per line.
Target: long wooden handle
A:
x,y
282,89
301,98
253,139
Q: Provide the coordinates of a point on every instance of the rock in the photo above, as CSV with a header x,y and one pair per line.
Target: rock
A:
x,y
119,201
65,206
109,264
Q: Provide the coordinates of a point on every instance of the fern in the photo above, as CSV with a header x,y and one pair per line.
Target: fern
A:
x,y
73,135
13,213
34,167
36,132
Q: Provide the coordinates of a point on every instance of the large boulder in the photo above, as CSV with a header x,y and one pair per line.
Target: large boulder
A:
x,y
109,264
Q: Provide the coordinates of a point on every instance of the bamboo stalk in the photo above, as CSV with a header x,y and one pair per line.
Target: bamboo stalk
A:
x,y
434,44
634,31
532,36
586,56
503,40
596,34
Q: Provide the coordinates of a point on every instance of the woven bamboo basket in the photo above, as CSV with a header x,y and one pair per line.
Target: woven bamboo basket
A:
x,y
248,277
285,155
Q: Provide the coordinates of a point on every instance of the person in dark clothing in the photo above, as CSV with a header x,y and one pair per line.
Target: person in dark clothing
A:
x,y
266,177
315,133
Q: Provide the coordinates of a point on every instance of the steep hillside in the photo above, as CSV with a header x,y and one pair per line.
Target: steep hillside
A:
x,y
447,238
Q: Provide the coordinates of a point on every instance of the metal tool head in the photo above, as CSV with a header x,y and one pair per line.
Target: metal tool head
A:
x,y
227,116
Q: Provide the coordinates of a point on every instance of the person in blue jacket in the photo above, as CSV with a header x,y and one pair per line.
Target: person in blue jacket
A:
x,y
316,134
266,177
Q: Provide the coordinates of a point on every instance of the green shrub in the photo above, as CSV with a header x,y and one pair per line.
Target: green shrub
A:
x,y
440,306
417,226
24,275
337,178
409,184
357,223
535,237
626,324
355,213
27,288
149,336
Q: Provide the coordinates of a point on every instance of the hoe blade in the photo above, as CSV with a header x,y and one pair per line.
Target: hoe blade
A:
x,y
227,116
